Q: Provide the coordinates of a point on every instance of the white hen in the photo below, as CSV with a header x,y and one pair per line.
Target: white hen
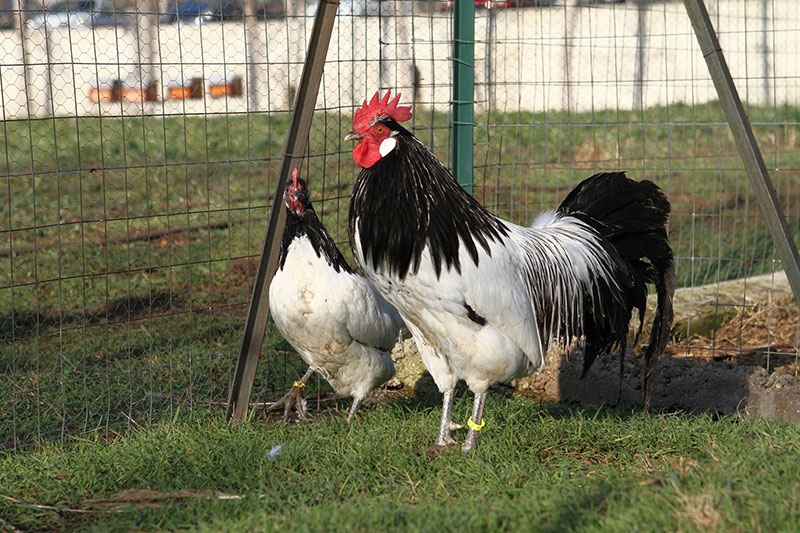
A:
x,y
335,319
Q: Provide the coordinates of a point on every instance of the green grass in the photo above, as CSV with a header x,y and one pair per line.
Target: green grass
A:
x,y
538,467
100,326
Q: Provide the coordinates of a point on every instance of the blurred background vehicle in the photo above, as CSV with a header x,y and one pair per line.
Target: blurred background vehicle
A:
x,y
447,5
7,14
369,8
202,11
78,14
270,9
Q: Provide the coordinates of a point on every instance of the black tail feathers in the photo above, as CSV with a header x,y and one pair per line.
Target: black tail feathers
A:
x,y
632,217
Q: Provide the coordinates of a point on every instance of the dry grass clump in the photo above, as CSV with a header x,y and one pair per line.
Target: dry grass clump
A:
x,y
766,336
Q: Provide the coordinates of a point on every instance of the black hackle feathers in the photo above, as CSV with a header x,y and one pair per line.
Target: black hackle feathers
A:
x,y
306,223
409,199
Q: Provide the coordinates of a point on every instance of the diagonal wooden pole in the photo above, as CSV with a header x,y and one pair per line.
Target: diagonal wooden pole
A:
x,y
305,102
745,142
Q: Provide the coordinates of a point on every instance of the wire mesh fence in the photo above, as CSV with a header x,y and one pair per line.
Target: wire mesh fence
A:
x,y
141,141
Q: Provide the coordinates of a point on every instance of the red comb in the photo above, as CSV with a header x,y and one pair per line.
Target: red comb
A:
x,y
379,107
294,179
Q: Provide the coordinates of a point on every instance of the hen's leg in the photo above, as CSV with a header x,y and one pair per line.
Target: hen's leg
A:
x,y
447,425
476,422
294,396
353,409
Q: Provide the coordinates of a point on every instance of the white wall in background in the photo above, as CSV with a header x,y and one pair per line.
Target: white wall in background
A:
x,y
534,58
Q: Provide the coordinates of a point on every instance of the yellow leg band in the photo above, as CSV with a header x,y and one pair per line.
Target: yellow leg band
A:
x,y
477,427
299,385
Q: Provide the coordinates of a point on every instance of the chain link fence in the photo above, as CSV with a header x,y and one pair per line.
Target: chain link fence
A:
x,y
141,141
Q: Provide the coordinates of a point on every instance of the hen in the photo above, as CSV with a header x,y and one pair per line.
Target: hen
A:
x,y
335,319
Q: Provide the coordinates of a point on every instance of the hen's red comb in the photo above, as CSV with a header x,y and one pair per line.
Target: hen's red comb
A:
x,y
294,179
379,107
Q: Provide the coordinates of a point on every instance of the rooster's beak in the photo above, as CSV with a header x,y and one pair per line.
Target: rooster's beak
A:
x,y
353,136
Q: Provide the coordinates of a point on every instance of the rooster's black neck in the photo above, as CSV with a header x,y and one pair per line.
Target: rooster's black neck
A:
x,y
307,224
408,200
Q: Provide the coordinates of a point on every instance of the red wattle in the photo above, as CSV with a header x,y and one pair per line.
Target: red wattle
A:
x,y
366,154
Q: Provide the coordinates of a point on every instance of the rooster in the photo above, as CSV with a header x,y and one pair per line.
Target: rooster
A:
x,y
335,319
484,298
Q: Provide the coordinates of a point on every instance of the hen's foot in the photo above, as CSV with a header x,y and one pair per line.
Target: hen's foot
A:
x,y
292,398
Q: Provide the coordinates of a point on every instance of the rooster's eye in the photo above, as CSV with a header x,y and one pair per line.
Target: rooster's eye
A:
x,y
380,129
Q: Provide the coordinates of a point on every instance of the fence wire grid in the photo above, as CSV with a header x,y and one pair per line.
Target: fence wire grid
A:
x,y
140,143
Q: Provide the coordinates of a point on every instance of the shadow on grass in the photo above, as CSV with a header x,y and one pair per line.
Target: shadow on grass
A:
x,y
16,326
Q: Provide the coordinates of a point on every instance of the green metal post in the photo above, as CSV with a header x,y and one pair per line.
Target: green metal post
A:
x,y
463,91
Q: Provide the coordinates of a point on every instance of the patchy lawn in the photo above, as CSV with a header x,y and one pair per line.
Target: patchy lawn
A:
x,y
538,467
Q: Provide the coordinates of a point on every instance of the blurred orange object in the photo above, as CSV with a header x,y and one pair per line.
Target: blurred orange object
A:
x,y
221,86
188,89
135,90
108,90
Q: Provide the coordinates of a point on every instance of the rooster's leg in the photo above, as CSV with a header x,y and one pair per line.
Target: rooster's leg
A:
x,y
477,422
294,396
353,409
447,425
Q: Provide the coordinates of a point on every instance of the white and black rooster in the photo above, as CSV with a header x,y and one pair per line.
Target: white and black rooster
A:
x,y
482,297
335,319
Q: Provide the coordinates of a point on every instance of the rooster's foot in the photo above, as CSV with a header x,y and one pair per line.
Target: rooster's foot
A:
x,y
445,440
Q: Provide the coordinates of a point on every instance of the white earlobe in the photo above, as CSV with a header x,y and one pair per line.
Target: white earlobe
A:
x,y
387,145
